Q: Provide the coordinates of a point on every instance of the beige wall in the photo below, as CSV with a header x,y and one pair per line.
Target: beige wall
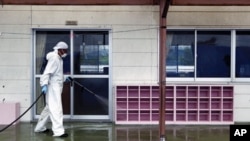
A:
x,y
15,55
242,103
134,36
209,16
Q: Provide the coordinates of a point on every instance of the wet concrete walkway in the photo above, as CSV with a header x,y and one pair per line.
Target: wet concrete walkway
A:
x,y
109,132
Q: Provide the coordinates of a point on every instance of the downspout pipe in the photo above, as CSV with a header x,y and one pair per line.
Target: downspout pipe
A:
x,y
164,6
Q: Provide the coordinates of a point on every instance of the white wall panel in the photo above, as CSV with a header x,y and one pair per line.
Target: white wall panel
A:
x,y
135,32
12,98
132,59
129,75
15,30
15,8
154,61
132,45
15,59
131,17
243,101
241,89
209,19
15,53
15,44
16,86
241,115
15,17
209,16
15,72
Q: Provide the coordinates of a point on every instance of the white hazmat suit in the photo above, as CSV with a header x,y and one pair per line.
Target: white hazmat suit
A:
x,y
53,78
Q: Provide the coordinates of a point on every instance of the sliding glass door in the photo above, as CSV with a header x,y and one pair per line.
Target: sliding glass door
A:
x,y
87,63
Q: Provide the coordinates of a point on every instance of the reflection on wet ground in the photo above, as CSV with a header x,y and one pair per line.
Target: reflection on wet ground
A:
x,y
110,132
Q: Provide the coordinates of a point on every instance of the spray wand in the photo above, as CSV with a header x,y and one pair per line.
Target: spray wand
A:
x,y
79,84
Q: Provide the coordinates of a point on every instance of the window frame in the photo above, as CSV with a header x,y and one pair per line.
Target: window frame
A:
x,y
231,79
35,75
234,78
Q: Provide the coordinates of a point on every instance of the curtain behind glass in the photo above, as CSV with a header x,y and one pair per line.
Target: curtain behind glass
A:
x,y
45,41
40,50
180,57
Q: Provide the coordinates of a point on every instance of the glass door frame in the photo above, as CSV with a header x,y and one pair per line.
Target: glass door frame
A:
x,y
71,116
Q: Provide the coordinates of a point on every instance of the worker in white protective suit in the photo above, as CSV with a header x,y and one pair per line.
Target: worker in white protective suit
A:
x,y
52,85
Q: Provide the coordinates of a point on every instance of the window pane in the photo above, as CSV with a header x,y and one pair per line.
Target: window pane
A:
x,y
40,103
45,41
91,51
242,54
92,98
180,58
213,50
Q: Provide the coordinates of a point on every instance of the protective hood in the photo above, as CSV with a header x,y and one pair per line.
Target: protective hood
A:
x,y
61,45
51,54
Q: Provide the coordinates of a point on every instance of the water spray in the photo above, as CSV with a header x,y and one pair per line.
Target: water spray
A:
x,y
101,99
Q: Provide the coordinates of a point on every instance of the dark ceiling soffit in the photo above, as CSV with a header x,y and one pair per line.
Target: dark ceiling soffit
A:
x,y
80,2
211,2
125,2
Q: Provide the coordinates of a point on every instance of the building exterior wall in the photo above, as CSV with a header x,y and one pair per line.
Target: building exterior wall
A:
x,y
134,33
134,42
217,17
232,17
15,56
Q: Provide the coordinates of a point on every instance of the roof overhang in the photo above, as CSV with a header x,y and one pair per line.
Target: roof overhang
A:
x,y
79,2
124,2
211,2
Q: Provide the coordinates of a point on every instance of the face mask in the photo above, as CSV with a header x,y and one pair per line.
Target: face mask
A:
x,y
64,55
